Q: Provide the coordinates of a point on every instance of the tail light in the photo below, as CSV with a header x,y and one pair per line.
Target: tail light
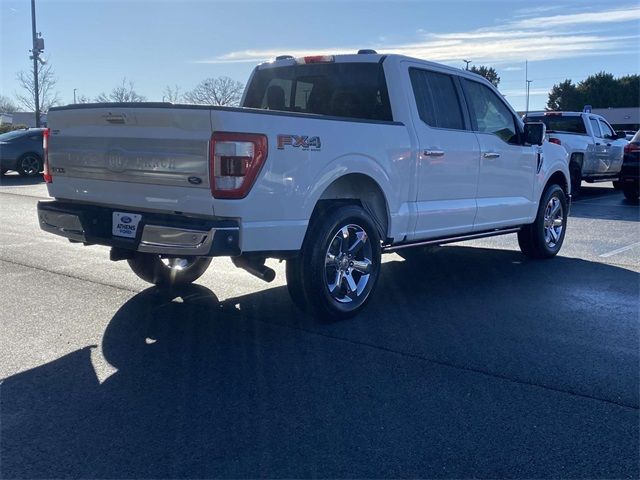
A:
x,y
632,147
555,140
315,59
235,160
45,147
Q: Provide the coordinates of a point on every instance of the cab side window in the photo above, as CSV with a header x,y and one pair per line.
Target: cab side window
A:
x,y
437,99
489,114
607,132
595,127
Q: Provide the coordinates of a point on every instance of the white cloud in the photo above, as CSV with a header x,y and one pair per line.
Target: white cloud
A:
x,y
535,39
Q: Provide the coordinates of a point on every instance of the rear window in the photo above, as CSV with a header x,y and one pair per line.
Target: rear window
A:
x,y
556,123
349,90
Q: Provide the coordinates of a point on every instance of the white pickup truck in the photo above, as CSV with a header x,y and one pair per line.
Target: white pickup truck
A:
x,y
595,149
330,162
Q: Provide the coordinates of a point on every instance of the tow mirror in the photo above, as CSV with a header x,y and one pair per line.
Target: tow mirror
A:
x,y
534,133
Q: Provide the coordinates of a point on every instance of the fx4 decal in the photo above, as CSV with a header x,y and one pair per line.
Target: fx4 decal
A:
x,y
299,141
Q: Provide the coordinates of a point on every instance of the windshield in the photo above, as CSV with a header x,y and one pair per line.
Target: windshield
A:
x,y
5,137
351,90
557,123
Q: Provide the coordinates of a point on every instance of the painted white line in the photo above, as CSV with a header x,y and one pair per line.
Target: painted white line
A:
x,y
619,250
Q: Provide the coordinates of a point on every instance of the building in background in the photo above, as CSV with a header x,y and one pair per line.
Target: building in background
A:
x,y
22,118
621,118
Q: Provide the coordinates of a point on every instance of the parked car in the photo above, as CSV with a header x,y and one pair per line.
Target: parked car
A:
x,y
21,150
630,173
629,134
330,162
595,149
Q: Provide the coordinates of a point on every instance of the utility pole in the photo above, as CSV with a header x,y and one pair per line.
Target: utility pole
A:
x,y
35,52
74,95
467,62
527,84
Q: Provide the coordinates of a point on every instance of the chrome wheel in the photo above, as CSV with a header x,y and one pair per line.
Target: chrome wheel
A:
x,y
553,222
348,263
30,165
175,263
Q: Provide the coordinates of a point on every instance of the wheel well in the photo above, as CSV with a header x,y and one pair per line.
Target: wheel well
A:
x,y
357,189
558,178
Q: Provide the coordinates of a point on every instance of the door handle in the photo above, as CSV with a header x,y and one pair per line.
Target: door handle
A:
x,y
433,153
491,155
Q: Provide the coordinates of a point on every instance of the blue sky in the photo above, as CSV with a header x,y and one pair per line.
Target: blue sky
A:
x,y
92,45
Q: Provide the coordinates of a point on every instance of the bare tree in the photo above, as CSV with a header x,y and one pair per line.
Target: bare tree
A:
x,y
7,105
216,91
121,94
46,84
172,94
83,99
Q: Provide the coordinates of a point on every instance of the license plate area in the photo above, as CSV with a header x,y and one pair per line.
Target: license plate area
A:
x,y
125,224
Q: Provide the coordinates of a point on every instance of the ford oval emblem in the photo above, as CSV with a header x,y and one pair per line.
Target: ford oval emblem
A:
x,y
126,219
195,180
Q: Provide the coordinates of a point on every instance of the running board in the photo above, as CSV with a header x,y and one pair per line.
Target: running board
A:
x,y
443,240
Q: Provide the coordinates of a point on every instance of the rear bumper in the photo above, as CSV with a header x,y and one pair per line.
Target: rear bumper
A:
x,y
156,233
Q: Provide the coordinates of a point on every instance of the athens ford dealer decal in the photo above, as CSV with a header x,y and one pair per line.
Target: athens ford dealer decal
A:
x,y
125,224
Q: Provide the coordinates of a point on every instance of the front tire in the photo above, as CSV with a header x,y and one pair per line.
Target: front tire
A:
x,y
29,165
544,237
631,193
168,272
340,263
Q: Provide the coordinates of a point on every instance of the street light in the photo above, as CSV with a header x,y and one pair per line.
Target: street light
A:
x,y
74,95
467,62
37,48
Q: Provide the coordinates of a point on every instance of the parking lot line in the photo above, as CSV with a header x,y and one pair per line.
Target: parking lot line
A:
x,y
619,250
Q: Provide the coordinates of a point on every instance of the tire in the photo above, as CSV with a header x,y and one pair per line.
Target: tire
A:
x,y
29,165
631,193
340,263
168,272
295,285
617,185
575,172
544,237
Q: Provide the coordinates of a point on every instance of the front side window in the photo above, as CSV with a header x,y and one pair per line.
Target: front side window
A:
x,y
350,90
489,113
607,132
436,99
595,127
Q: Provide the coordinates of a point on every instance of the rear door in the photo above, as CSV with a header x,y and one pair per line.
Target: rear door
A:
x,y
614,147
507,168
448,155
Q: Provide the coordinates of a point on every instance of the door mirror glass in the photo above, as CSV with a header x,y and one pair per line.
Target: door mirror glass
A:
x,y
534,133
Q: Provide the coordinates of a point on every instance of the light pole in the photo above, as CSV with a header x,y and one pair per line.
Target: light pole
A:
x,y
528,88
74,95
467,62
36,52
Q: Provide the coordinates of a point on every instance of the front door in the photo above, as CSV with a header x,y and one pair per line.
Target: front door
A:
x,y
507,167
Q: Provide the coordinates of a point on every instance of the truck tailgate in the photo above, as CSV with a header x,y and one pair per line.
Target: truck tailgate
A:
x,y
122,154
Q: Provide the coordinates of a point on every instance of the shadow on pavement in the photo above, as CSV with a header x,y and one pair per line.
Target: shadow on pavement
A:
x,y
14,180
604,203
460,368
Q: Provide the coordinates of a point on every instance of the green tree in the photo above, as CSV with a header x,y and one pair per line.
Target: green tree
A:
x,y
487,72
564,96
600,90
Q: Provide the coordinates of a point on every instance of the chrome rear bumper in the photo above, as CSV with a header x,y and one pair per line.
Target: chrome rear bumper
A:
x,y
162,234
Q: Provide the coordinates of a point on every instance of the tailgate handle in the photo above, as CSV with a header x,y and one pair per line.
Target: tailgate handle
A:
x,y
116,119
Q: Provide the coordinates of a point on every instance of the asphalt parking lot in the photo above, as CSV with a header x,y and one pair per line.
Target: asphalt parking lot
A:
x,y
472,363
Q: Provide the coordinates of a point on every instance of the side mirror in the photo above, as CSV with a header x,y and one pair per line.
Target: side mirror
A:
x,y
534,133
620,134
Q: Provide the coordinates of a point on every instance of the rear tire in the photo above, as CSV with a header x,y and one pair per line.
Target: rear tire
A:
x,y
340,263
168,272
575,172
544,237
29,165
631,193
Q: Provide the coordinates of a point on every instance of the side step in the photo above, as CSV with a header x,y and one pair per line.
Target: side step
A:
x,y
443,240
